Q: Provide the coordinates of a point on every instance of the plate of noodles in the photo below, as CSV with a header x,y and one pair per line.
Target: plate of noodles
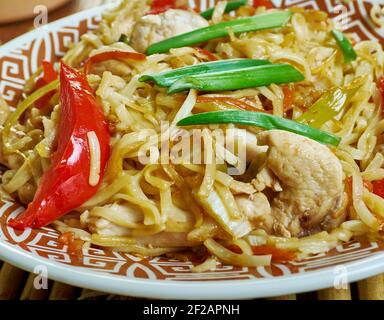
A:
x,y
158,148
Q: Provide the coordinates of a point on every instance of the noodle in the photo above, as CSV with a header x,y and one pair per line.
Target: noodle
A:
x,y
167,189
94,170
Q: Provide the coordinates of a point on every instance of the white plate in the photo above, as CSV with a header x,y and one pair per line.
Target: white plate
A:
x,y
125,274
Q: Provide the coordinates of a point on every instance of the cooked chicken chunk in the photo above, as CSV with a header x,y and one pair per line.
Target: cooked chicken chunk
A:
x,y
154,28
238,187
311,178
256,208
265,178
132,215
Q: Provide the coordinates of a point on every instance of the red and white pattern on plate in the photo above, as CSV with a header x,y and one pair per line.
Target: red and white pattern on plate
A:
x,y
44,243
19,64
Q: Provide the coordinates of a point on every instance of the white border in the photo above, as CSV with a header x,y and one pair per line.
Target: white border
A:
x,y
167,289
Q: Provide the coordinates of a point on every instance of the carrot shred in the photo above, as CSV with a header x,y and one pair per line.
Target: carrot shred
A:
x,y
380,85
112,55
278,255
288,98
367,184
208,54
75,246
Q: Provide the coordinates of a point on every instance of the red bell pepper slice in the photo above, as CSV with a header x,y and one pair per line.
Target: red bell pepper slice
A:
x,y
49,75
380,85
378,187
112,55
160,6
263,3
65,185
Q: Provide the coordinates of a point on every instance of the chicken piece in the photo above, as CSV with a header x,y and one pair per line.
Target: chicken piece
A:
x,y
133,216
256,208
239,187
105,227
124,17
311,178
154,28
265,178
130,214
161,239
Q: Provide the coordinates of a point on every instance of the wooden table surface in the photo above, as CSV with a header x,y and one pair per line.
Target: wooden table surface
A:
x,y
17,284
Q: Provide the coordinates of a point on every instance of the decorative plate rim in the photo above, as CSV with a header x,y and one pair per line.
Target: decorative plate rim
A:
x,y
168,289
177,289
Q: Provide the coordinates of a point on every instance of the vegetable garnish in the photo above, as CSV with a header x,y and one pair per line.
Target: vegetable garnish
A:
x,y
255,23
330,104
378,187
210,56
366,184
263,3
288,98
112,55
49,75
258,76
232,5
380,85
74,245
14,116
262,120
232,102
345,45
167,78
160,6
278,255
65,185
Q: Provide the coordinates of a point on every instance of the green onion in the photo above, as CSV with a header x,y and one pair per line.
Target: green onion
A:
x,y
258,76
259,22
14,116
346,47
330,104
232,5
262,120
167,78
